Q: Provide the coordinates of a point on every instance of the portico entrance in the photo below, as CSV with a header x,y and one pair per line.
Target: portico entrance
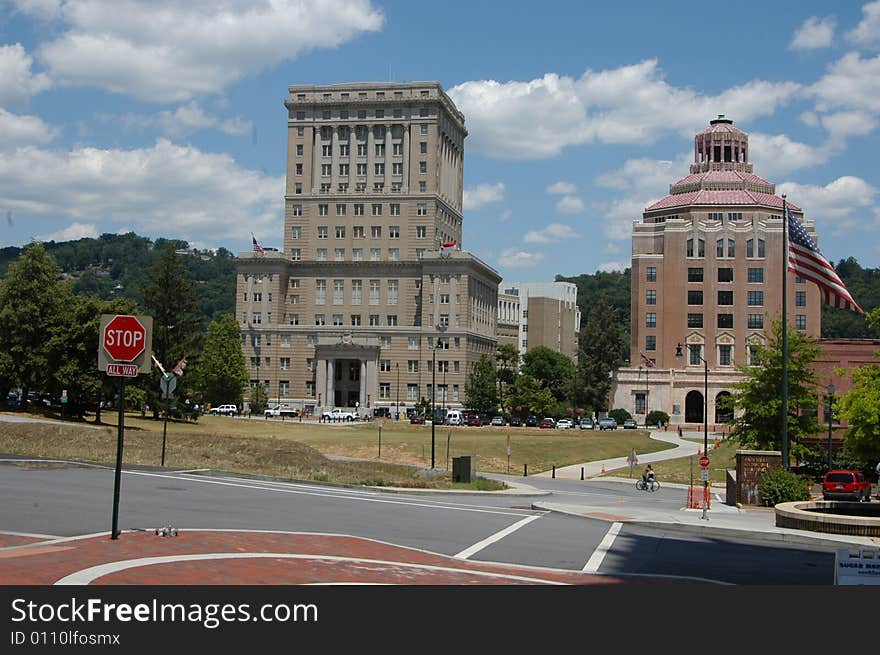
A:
x,y
346,371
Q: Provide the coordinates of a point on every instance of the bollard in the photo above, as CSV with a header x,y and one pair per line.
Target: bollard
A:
x,y
525,470
554,472
582,473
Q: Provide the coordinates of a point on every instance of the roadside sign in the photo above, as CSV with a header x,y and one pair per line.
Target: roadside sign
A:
x,y
63,396
704,475
122,370
167,384
124,339
857,568
704,462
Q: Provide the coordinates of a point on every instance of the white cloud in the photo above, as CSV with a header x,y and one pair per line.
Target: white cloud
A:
x,y
553,233
195,195
570,205
17,82
513,258
17,131
814,33
630,104
610,267
867,32
504,216
776,154
562,188
483,194
167,51
850,83
42,9
72,232
845,201
182,121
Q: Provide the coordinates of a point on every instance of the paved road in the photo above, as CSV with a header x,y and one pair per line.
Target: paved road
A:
x,y
74,500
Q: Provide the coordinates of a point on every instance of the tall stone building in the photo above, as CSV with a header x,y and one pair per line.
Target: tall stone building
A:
x,y
707,265
532,314
371,286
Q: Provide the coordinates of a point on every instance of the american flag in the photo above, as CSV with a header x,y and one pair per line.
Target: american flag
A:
x,y
805,260
257,247
647,361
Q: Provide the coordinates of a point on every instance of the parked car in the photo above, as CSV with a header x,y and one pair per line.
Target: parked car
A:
x,y
564,424
473,420
497,420
587,424
547,423
629,424
224,410
280,410
845,485
607,423
454,417
515,421
339,415
532,422
417,419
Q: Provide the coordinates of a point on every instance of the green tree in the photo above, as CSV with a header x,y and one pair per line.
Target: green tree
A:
x,y
259,399
507,359
170,298
554,370
30,308
861,409
534,398
482,395
758,397
602,350
220,373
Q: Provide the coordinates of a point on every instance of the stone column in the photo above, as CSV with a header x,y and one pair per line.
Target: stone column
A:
x,y
321,380
334,158
371,157
331,381
316,159
406,158
363,389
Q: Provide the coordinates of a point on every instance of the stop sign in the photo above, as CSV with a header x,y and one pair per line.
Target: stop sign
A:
x,y
704,462
124,338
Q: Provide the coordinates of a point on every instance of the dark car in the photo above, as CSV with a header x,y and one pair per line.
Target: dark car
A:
x,y
547,423
417,420
532,422
473,420
845,485
515,421
629,424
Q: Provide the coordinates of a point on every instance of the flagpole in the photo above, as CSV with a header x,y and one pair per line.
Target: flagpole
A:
x,y
784,334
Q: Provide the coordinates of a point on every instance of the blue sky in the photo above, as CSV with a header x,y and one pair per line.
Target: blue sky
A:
x,y
167,118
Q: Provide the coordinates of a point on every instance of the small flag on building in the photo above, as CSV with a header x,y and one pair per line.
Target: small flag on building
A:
x,y
448,247
805,260
646,360
257,247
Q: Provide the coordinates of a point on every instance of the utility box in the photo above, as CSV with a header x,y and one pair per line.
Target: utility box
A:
x,y
464,468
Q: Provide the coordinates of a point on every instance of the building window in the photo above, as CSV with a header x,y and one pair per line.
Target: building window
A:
x,y
384,390
422,209
700,248
755,298
695,297
359,209
695,320
391,320
750,248
725,297
394,231
695,275
355,320
323,231
319,319
696,353
753,355
651,319
421,232
756,275
392,292
724,355
320,292
800,298
755,321
423,167
296,210
375,254
376,231
358,231
294,319
651,274
375,291
651,297
650,342
377,209
725,320
337,320
725,275
800,321
321,254
357,254
295,232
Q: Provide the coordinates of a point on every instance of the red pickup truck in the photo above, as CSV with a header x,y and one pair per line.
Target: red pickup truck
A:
x,y
845,485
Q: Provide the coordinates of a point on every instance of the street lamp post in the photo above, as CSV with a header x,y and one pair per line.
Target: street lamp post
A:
x,y
433,398
694,349
397,408
647,370
830,417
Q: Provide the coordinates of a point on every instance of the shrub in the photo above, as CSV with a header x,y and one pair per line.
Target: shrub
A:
x,y
619,415
781,486
657,417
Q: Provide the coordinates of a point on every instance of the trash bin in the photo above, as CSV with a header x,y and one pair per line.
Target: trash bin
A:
x,y
464,468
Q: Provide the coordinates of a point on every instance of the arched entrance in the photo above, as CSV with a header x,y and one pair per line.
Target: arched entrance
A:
x,y
693,407
723,412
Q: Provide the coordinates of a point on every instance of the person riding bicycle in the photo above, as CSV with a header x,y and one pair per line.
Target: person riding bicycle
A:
x,y
648,477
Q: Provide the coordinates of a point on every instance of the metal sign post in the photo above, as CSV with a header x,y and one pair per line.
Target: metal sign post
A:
x,y
167,384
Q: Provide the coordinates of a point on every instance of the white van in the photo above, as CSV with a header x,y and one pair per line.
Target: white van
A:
x,y
454,417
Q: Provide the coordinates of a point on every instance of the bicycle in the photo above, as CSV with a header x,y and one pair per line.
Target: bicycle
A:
x,y
642,485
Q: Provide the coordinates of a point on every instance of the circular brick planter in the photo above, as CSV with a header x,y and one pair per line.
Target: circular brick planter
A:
x,y
830,516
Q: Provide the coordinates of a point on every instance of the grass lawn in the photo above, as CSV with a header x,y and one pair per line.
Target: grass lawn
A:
x,y
292,449
680,470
